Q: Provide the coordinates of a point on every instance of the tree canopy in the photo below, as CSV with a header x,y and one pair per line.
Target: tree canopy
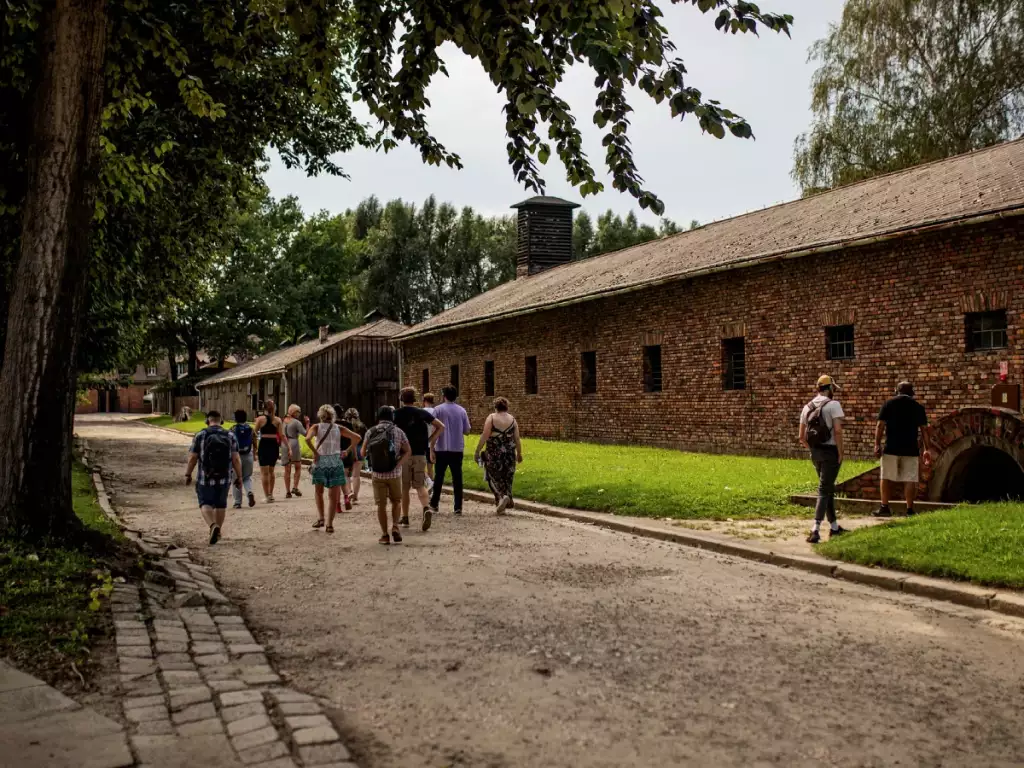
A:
x,y
905,82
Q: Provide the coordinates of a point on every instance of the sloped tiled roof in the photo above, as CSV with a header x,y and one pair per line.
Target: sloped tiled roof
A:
x,y
282,359
960,188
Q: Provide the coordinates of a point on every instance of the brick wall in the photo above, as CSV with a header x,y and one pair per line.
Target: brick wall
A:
x,y
906,300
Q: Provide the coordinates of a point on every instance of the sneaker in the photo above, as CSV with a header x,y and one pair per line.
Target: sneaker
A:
x,y
237,505
814,538
396,536
385,539
296,492
458,513
428,484
503,505
214,533
428,515
837,532
404,522
268,500
288,495
882,511
911,511
252,499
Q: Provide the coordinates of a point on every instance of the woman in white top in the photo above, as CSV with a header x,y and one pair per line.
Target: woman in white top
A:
x,y
328,469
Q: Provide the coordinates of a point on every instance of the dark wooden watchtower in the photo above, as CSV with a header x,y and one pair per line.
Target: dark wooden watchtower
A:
x,y
545,234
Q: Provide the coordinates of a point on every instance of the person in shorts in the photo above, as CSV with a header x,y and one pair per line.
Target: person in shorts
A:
x,y
215,451
415,423
328,470
901,420
269,447
388,450
291,452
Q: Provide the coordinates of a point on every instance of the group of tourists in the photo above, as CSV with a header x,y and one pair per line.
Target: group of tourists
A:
x,y
902,421
410,450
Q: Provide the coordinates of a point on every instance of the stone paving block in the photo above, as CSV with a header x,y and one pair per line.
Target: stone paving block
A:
x,y
298,722
299,708
286,695
319,735
119,608
206,637
144,685
128,624
177,666
214,596
232,698
226,686
132,640
201,728
169,623
168,636
193,713
261,679
134,652
143,714
183,697
237,636
255,738
263,753
179,679
321,754
239,648
134,702
173,657
281,762
211,659
242,711
165,647
136,666
223,620
253,660
155,728
225,672
223,610
247,724
204,647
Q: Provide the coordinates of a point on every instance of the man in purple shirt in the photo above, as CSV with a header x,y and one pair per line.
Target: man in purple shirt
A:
x,y
447,451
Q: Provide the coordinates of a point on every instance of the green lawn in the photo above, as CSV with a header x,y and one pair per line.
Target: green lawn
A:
x,y
657,482
51,595
198,421
983,543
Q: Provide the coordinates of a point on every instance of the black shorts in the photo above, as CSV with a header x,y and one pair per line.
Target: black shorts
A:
x,y
269,452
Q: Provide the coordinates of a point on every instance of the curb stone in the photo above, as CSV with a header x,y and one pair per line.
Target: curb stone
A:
x,y
197,701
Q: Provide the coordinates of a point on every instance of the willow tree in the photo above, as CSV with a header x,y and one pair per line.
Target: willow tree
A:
x,y
58,55
902,82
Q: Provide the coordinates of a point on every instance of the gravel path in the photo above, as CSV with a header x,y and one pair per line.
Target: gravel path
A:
x,y
526,641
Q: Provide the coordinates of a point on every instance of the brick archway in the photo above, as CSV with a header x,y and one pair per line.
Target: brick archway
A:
x,y
965,437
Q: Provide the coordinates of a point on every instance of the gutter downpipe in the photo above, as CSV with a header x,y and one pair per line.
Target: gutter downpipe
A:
x,y
749,262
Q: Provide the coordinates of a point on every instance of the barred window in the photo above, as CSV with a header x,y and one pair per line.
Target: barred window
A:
x,y
454,379
588,372
426,380
652,368
489,378
839,342
734,363
530,383
986,330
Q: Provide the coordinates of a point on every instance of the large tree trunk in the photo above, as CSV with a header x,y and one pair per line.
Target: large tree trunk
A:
x,y
37,382
172,361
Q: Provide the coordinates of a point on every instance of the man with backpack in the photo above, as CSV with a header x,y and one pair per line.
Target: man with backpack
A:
x,y
244,437
821,430
422,431
387,449
215,451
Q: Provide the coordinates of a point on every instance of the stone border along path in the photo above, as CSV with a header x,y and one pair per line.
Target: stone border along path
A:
x,y
190,667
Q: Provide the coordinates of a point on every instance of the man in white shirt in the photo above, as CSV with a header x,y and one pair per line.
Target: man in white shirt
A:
x,y
821,430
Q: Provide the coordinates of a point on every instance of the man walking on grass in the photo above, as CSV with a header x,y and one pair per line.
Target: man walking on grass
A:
x,y
901,419
215,451
387,449
821,430
448,450
415,422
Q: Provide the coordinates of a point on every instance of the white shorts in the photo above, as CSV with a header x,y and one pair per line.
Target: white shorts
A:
x,y
900,469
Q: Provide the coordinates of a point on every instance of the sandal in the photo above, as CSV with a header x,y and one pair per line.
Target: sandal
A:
x,y
318,524
385,539
329,529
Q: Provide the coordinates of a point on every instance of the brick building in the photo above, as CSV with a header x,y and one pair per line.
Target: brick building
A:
x,y
712,339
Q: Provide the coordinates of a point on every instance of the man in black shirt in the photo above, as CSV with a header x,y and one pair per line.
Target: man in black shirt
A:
x,y
900,419
414,422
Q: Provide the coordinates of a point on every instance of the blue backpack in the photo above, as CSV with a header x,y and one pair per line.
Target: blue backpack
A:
x,y
243,434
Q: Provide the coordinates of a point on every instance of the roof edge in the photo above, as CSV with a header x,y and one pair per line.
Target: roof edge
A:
x,y
995,214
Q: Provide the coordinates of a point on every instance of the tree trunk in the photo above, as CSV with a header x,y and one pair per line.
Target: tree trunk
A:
x,y
193,359
37,382
174,365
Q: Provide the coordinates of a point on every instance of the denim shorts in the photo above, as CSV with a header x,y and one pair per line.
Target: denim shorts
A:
x,y
215,496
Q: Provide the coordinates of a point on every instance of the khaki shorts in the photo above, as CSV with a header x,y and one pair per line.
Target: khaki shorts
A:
x,y
387,490
900,469
414,473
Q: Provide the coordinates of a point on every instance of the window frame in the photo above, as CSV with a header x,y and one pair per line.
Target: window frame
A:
x,y
588,388
831,343
730,382
488,378
972,333
151,370
654,381
454,376
425,381
531,376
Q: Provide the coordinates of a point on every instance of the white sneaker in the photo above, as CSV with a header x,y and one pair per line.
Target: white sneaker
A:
x,y
428,484
503,505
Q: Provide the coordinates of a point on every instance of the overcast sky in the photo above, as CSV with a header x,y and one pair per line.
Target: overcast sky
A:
x,y
766,79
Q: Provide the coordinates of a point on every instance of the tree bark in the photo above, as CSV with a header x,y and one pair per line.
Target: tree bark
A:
x,y
37,381
174,365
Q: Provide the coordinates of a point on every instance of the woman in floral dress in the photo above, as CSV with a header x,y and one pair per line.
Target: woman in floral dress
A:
x,y
501,449
328,469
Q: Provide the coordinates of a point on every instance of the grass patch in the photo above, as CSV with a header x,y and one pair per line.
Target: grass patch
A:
x,y
980,543
52,595
658,482
198,422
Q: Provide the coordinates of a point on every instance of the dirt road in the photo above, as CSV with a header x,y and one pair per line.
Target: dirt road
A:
x,y
525,641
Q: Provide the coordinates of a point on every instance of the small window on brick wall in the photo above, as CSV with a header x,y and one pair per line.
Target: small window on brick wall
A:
x,y
588,372
454,378
985,330
734,363
530,381
839,342
652,368
489,378
426,380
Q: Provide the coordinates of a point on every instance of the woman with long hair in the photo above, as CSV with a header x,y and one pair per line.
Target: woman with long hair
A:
x,y
268,449
292,428
352,459
501,449
328,469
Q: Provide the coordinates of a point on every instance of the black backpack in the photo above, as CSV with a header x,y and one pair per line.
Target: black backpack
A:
x,y
818,431
380,448
216,454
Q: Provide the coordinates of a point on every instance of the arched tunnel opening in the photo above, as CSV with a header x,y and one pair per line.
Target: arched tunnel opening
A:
x,y
984,473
